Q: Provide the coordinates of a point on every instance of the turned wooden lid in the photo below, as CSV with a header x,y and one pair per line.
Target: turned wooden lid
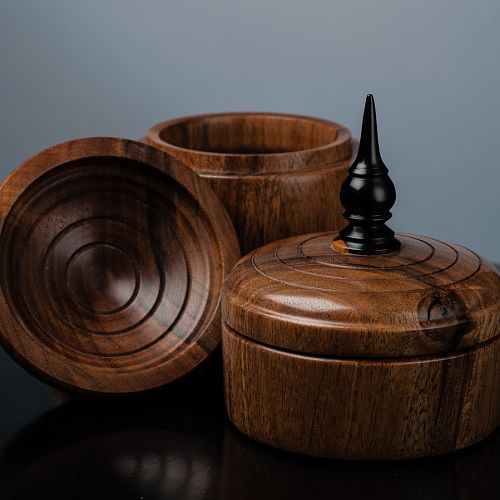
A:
x,y
365,291
112,258
304,295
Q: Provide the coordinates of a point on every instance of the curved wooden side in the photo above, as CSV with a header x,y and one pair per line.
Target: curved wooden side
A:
x,y
362,409
277,175
267,208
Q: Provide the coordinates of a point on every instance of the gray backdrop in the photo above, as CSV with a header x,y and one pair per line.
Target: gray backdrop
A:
x,y
114,67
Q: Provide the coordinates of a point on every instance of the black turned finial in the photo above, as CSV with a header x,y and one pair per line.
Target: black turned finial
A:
x,y
368,194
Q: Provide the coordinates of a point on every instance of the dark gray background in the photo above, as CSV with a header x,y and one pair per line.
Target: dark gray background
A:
x,y
115,67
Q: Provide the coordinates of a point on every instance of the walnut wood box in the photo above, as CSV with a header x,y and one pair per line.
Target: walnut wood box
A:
x,y
379,357
363,344
274,173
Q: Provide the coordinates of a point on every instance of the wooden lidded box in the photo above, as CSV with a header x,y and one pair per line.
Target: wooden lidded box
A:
x,y
363,344
112,258
274,173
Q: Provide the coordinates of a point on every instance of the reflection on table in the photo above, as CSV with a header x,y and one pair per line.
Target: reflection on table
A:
x,y
180,445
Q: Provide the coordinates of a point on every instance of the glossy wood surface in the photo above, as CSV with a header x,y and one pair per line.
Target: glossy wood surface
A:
x,y
112,257
179,445
362,409
303,294
275,173
352,356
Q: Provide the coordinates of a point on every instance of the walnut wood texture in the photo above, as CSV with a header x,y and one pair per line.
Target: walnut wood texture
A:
x,y
275,173
358,408
112,257
364,357
303,294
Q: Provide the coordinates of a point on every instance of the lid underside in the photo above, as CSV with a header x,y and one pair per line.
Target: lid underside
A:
x,y
112,256
306,295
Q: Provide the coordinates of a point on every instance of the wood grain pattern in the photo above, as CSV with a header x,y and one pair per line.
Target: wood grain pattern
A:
x,y
112,255
362,409
364,357
303,294
275,173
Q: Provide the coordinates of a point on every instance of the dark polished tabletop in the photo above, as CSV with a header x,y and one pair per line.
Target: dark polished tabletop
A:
x,y
178,444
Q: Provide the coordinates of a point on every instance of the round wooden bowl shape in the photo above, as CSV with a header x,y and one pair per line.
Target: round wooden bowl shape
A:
x,y
112,257
275,173
369,357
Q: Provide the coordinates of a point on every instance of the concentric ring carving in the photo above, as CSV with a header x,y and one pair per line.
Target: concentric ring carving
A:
x,y
102,263
313,263
304,295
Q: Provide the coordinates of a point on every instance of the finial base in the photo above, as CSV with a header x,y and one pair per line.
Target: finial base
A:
x,y
367,240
